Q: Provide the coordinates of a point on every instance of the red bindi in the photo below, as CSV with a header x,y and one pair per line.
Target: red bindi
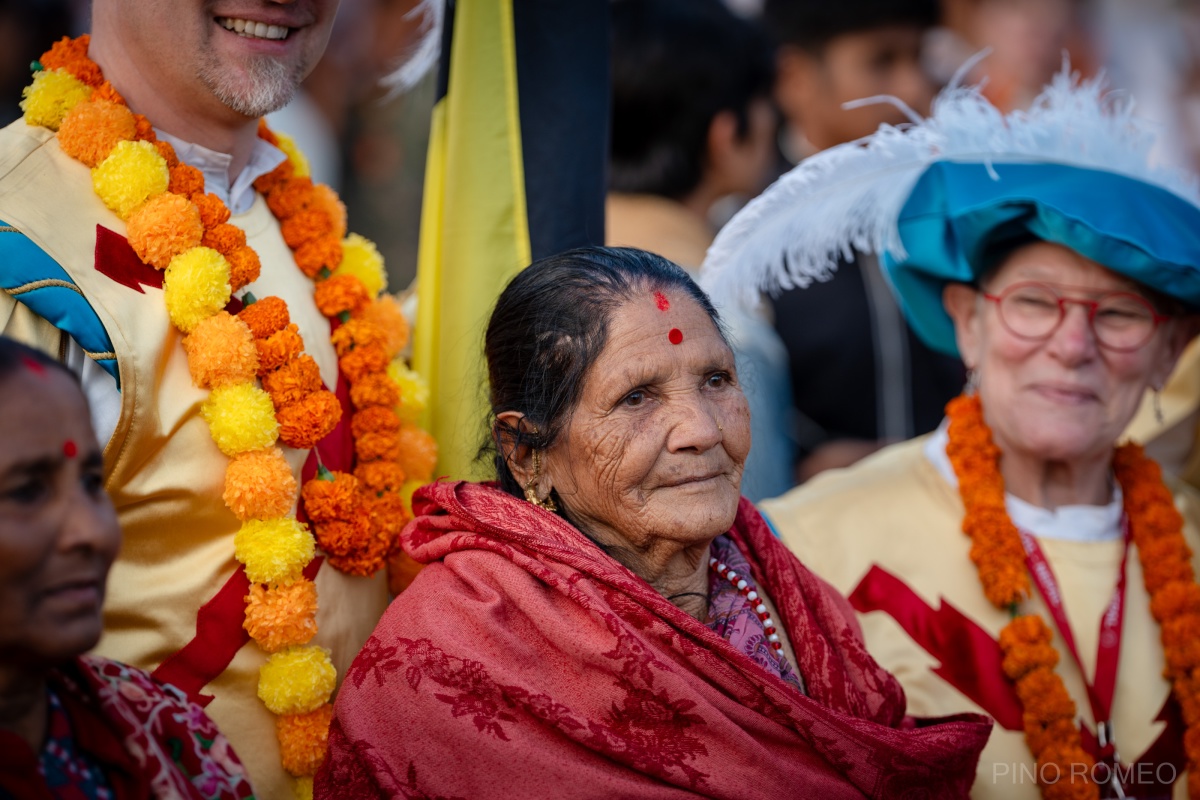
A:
x,y
70,449
675,336
662,302
33,366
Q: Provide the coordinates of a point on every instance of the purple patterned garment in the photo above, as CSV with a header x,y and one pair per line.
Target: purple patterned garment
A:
x,y
731,616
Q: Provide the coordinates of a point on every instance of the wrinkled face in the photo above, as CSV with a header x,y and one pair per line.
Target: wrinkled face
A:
x,y
247,55
853,66
58,530
1064,398
655,447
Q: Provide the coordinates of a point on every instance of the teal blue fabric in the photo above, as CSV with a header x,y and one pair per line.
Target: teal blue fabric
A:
x,y
956,210
23,262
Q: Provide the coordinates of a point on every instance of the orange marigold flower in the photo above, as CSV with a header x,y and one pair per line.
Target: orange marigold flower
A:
x,y
72,55
401,569
375,419
265,184
224,238
389,515
331,499
278,348
418,453
304,226
327,201
1175,599
362,361
144,131
1191,745
259,484
244,266
342,537
1040,733
375,389
379,476
91,130
1181,642
221,350
105,91
340,293
1043,695
187,181
293,381
304,423
363,561
162,228
266,316
355,333
1023,659
290,197
265,133
377,446
281,616
213,210
322,253
385,314
166,151
303,740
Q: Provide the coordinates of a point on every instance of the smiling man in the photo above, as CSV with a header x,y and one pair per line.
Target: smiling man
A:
x,y
202,74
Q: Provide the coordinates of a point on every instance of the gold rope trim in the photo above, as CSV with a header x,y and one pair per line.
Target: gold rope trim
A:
x,y
8,229
100,356
42,284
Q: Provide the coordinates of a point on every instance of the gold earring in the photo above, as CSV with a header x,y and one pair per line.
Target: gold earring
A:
x,y
531,494
1157,403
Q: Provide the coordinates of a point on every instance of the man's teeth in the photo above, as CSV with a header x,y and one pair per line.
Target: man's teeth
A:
x,y
256,30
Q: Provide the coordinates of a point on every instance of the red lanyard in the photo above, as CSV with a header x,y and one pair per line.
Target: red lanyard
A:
x,y
1108,649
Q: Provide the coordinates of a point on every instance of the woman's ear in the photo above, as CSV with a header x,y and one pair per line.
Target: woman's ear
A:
x,y
962,304
1181,333
511,432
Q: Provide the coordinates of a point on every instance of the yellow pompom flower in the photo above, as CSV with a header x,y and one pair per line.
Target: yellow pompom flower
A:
x,y
288,145
132,174
51,95
414,391
406,492
304,788
196,286
240,417
361,258
273,550
297,680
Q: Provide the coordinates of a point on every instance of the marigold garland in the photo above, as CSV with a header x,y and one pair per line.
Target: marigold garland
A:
x,y
1156,527
173,225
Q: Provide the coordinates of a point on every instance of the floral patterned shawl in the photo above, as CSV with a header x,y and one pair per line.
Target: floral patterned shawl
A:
x,y
524,662
150,740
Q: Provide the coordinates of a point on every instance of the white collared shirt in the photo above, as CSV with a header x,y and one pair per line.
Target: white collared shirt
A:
x,y
1071,523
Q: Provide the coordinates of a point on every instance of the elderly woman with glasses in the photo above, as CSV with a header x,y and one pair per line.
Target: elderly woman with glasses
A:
x,y
1021,560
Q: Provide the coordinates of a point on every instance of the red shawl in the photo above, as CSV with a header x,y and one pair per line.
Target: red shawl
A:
x,y
524,662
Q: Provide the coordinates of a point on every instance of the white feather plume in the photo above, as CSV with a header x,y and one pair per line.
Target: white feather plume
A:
x,y
423,54
848,198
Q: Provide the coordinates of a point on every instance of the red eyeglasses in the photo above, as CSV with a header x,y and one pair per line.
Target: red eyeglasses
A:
x,y
1121,321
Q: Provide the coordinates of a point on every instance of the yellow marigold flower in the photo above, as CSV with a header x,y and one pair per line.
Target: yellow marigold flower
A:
x,y
406,494
288,145
132,174
196,286
240,417
259,484
414,391
51,95
273,550
302,788
361,258
297,680
281,616
221,350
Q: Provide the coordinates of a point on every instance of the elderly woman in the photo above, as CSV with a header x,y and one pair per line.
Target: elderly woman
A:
x,y
75,726
610,619
1044,250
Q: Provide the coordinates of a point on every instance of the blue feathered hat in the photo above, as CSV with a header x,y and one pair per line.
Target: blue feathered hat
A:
x,y
1076,169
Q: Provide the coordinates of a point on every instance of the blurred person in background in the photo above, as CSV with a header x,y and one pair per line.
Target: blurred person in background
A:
x,y
691,124
859,378
72,725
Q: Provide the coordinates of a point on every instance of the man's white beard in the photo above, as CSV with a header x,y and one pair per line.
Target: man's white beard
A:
x,y
270,86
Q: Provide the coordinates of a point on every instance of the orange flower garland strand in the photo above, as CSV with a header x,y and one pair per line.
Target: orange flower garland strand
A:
x,y
1026,642
174,226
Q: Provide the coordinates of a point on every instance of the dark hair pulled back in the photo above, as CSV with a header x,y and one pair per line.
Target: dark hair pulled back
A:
x,y
549,325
